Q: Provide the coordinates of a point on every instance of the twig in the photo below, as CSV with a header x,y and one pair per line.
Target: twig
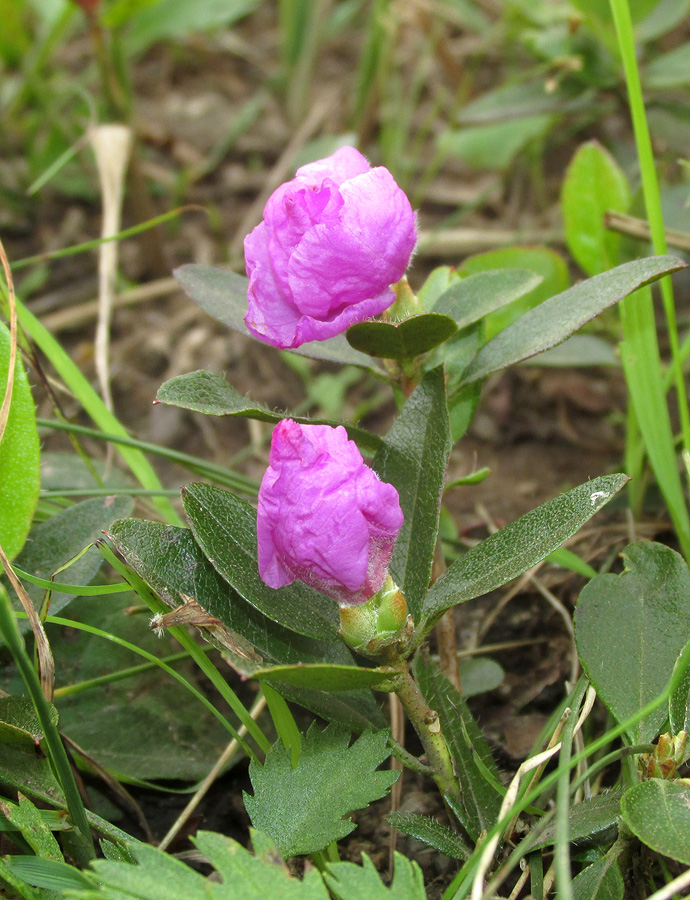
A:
x,y
639,228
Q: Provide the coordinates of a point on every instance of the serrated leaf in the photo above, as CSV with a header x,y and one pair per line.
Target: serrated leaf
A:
x,y
517,547
210,393
303,809
223,295
481,800
658,813
401,340
630,629
413,458
19,456
430,832
602,880
159,876
557,318
350,882
474,297
54,542
172,563
593,184
225,528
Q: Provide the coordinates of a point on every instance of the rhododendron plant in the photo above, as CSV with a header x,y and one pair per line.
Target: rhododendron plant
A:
x,y
324,516
332,242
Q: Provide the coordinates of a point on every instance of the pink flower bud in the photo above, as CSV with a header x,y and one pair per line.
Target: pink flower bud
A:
x,y
324,516
331,243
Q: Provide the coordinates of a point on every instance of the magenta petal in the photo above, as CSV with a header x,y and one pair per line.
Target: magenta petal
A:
x,y
324,517
333,241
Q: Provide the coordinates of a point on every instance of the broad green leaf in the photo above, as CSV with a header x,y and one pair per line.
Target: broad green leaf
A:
x,y
474,297
585,350
19,456
542,261
401,340
466,743
519,546
602,880
328,677
557,318
223,295
413,458
669,70
593,184
212,394
493,146
171,562
225,528
302,809
350,882
175,19
455,355
437,283
56,541
431,832
630,629
159,876
658,813
147,726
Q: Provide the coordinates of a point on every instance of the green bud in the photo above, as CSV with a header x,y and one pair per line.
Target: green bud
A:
x,y
381,621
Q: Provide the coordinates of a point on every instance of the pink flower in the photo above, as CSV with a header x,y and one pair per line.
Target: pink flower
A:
x,y
324,516
331,243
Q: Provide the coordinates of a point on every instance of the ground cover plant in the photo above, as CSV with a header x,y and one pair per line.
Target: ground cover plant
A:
x,y
290,616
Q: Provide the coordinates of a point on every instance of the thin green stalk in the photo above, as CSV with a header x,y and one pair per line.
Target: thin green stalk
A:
x,y
641,304
564,876
69,690
284,722
110,492
140,467
78,842
223,476
76,590
187,641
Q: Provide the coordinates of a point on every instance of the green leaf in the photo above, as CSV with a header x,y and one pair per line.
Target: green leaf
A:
x,y
590,823
517,547
223,295
466,744
401,340
159,876
679,706
431,832
170,19
56,541
493,146
557,318
328,677
28,820
8,877
658,813
19,456
474,297
437,283
170,561
413,458
630,629
52,874
545,263
210,393
477,676
600,881
669,70
225,528
594,183
350,882
303,809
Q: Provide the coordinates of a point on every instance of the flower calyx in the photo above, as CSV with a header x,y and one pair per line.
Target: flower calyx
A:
x,y
381,627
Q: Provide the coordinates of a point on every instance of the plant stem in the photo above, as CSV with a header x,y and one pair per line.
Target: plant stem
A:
x,y
428,726
79,841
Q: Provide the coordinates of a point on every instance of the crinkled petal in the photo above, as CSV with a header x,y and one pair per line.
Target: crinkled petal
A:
x,y
340,166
